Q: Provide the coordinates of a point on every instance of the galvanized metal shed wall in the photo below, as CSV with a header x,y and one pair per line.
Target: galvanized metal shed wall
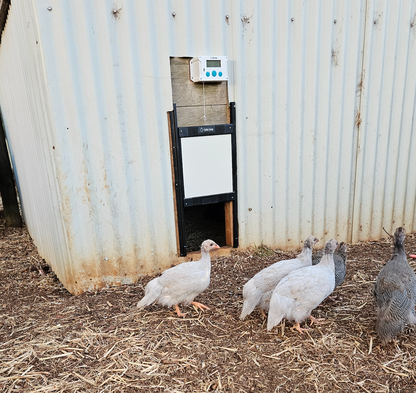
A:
x,y
297,66
325,106
25,109
386,164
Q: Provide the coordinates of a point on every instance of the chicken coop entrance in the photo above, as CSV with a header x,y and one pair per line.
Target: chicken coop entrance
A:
x,y
205,181
204,222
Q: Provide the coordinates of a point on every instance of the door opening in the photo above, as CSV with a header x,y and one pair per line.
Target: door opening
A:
x,y
204,222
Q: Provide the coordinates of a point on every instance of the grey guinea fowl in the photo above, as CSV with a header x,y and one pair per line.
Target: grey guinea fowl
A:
x,y
259,289
181,283
302,290
340,261
394,293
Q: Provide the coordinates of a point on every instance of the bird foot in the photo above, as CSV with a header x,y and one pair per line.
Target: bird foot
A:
x,y
298,328
315,320
180,314
263,313
333,298
200,306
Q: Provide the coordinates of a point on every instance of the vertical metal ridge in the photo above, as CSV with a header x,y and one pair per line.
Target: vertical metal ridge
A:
x,y
358,119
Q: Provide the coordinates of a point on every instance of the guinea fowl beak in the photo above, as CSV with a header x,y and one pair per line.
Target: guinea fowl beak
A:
x,y
412,256
216,247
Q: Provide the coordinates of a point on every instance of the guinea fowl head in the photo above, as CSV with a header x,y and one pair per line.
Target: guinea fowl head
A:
x,y
209,245
310,241
330,246
399,235
342,249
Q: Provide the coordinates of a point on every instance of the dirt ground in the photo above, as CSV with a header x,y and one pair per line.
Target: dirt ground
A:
x,y
51,341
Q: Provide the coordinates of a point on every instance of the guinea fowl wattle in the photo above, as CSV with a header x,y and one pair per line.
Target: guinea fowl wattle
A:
x,y
303,290
395,293
182,283
258,290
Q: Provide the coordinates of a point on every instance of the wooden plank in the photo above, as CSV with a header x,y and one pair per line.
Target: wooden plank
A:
x,y
173,186
180,60
194,115
228,207
187,93
7,186
180,71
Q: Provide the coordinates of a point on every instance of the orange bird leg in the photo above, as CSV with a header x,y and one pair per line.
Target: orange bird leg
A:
x,y
180,314
200,306
298,328
315,320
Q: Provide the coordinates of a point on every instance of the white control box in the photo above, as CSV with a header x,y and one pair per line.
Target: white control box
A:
x,y
209,69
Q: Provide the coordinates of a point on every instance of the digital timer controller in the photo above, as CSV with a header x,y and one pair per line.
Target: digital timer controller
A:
x,y
209,69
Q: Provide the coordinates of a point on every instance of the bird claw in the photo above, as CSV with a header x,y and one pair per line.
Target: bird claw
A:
x,y
200,306
298,328
315,320
179,313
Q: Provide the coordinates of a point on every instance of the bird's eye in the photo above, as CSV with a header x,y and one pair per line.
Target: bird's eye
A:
x,y
212,244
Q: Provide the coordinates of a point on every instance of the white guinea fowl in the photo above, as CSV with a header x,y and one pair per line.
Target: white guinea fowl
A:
x,y
182,283
258,290
302,290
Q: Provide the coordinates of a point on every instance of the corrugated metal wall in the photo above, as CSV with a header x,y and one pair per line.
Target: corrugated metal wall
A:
x,y
296,71
386,161
25,109
325,105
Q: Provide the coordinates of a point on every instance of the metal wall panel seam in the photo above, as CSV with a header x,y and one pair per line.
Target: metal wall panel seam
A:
x,y
358,155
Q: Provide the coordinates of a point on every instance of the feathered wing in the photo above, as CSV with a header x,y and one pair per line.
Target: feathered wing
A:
x,y
152,292
258,290
395,304
183,283
252,297
179,284
280,306
299,293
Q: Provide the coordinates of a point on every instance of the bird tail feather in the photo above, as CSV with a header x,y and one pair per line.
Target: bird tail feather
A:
x,y
278,310
388,326
152,292
252,297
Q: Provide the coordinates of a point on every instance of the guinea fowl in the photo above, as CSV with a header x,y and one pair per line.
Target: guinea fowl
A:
x,y
303,290
340,262
181,283
258,290
395,293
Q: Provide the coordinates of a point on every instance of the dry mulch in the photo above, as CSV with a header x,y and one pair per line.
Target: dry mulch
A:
x,y
51,341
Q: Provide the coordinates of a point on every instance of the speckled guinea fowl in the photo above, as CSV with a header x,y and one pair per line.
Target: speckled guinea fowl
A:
x,y
340,261
302,290
394,292
181,283
258,290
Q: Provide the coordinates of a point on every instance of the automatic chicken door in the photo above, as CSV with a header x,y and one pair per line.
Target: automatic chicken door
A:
x,y
205,162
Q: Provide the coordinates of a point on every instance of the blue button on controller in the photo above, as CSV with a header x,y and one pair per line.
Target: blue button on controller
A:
x,y
220,73
214,73
207,73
